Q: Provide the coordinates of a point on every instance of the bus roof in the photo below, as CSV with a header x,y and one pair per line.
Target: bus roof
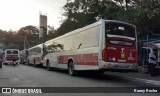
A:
x,y
35,46
87,27
76,31
12,49
120,22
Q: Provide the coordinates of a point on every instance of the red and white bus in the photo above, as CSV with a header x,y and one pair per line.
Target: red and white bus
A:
x,y
9,54
35,55
104,45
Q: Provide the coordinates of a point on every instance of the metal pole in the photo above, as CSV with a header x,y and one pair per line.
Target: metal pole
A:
x,y
24,42
147,50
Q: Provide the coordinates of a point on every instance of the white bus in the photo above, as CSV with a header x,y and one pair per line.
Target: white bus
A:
x,y
104,45
9,54
35,55
23,56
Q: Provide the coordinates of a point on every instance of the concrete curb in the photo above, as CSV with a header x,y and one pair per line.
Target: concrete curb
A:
x,y
153,82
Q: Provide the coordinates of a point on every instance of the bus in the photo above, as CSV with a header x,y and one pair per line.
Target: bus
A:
x,y
35,55
106,45
23,56
9,54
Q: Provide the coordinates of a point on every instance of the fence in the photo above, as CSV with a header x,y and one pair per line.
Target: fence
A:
x,y
143,53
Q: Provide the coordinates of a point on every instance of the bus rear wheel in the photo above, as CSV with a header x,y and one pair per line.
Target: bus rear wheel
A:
x,y
28,62
71,70
48,66
0,64
34,63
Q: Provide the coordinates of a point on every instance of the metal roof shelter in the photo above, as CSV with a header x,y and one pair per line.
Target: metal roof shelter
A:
x,y
153,45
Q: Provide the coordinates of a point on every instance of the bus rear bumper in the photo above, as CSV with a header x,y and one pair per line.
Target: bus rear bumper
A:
x,y
119,67
11,62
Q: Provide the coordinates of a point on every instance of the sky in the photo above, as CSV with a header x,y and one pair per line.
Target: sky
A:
x,y
15,14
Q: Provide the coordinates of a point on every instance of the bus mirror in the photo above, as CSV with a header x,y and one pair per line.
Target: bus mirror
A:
x,y
26,52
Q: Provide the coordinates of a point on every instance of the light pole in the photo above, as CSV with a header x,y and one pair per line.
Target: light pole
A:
x,y
43,31
24,42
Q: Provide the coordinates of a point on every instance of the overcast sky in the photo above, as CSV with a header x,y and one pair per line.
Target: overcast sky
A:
x,y
15,14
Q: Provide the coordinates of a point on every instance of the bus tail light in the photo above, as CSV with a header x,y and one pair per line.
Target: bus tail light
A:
x,y
104,55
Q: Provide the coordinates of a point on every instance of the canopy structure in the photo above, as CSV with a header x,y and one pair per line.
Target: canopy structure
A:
x,y
153,45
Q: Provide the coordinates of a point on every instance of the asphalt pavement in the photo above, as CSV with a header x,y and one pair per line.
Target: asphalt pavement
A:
x,y
138,76
29,76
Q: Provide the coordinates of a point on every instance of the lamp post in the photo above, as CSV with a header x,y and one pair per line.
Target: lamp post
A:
x,y
43,34
24,42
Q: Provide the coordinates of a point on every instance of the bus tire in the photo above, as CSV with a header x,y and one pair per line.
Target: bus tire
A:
x,y
48,66
34,63
28,62
71,70
0,64
100,72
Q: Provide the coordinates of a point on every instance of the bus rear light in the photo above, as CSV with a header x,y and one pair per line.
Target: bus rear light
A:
x,y
104,55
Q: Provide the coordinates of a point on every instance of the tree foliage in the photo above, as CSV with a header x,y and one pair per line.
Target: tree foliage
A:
x,y
13,39
145,14
29,35
51,33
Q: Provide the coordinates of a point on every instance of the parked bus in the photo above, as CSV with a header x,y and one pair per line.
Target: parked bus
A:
x,y
35,55
9,55
104,45
23,56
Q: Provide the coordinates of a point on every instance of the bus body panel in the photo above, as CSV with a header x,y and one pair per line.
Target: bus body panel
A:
x,y
87,56
81,52
86,48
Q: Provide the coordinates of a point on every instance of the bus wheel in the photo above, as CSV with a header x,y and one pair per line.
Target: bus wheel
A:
x,y
99,72
48,66
34,63
0,64
71,70
27,62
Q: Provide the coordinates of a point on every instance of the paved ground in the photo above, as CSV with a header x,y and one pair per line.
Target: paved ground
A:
x,y
138,76
28,76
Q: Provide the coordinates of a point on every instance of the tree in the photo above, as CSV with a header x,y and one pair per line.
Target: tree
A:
x,y
142,13
148,13
83,12
51,33
2,36
30,34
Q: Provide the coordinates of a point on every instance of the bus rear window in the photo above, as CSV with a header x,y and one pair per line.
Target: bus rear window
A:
x,y
12,52
118,33
119,29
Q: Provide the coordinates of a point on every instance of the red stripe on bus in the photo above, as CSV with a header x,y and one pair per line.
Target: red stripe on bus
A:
x,y
80,59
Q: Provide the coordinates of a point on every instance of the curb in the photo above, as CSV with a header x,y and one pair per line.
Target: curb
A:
x,y
153,82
